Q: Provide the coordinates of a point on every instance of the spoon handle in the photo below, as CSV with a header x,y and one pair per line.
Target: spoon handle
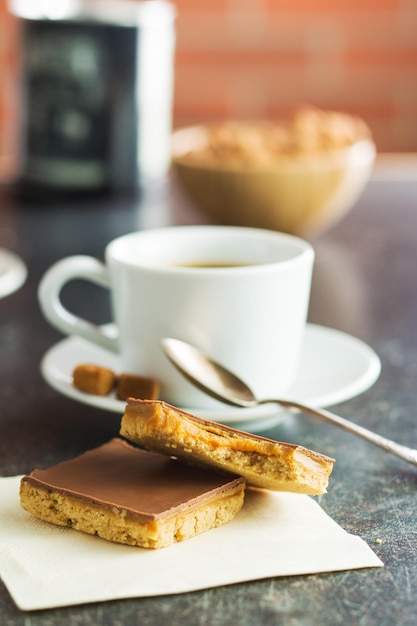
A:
x,y
403,452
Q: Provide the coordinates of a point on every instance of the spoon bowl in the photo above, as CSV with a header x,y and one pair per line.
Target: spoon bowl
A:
x,y
219,383
207,375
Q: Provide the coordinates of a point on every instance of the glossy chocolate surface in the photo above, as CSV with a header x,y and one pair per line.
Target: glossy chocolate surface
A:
x,y
145,483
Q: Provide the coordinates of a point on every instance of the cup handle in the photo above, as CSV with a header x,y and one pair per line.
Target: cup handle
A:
x,y
62,272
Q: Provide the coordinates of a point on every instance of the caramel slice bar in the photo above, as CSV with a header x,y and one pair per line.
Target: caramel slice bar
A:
x,y
263,462
132,496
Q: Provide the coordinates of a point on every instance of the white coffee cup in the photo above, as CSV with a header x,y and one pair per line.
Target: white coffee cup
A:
x,y
240,294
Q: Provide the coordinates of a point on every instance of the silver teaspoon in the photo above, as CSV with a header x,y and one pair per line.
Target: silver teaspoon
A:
x,y
221,384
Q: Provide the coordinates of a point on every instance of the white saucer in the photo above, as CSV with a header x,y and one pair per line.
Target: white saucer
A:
x,y
334,367
12,272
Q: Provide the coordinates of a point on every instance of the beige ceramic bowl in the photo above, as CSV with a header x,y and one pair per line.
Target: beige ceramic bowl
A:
x,y
303,194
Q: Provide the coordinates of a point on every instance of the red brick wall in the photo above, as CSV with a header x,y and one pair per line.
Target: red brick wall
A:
x,y
260,58
9,101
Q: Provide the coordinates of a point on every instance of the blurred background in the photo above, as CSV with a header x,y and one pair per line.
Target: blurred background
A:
x,y
259,58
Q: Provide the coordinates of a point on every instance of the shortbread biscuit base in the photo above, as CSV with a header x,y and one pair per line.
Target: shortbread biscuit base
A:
x,y
119,526
263,462
121,523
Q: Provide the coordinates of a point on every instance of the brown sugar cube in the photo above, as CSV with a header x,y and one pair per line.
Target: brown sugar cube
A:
x,y
132,496
134,386
93,379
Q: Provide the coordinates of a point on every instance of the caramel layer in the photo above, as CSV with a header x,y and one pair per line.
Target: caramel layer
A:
x,y
264,462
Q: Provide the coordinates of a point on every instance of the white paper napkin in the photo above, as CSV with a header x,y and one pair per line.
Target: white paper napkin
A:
x,y
275,534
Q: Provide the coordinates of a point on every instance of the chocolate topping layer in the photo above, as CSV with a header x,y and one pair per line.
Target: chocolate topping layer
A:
x,y
147,484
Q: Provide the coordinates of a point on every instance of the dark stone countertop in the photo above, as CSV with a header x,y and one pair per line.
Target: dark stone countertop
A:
x,y
365,283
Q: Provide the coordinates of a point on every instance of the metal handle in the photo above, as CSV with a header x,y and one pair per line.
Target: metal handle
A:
x,y
403,452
